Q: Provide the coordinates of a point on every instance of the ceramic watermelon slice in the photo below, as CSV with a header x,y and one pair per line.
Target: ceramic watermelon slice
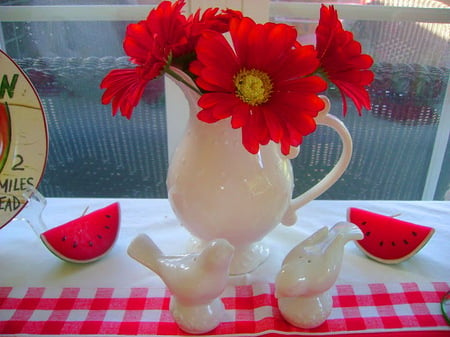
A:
x,y
85,239
387,239
5,134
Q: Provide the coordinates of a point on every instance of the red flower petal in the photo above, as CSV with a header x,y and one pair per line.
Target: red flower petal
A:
x,y
250,139
256,127
304,84
216,73
208,100
302,61
341,59
210,45
240,116
239,31
218,78
309,101
211,19
219,104
273,124
303,123
137,41
124,89
295,136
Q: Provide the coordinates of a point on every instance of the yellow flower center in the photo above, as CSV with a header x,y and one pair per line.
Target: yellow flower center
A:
x,y
253,86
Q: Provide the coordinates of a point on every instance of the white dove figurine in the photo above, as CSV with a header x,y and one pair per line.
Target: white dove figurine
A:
x,y
309,271
196,281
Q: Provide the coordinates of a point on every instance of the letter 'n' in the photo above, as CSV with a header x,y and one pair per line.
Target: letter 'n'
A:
x,y
6,86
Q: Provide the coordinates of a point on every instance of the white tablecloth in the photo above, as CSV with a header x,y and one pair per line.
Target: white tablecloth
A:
x,y
24,260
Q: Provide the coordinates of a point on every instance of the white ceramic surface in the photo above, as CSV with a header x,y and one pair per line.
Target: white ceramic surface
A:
x,y
196,281
308,271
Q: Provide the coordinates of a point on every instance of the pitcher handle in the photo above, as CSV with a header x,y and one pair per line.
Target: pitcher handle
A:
x,y
323,118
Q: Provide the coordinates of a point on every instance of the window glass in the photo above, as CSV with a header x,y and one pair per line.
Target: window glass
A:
x,y
393,142
95,154
74,2
91,153
393,3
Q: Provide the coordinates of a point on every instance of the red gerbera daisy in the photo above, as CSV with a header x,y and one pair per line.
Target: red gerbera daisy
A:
x,y
211,19
149,44
260,83
341,60
166,37
199,22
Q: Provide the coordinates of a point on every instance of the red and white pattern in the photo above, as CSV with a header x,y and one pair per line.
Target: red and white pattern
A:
x,y
251,310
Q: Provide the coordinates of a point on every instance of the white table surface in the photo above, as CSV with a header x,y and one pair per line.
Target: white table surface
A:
x,y
25,261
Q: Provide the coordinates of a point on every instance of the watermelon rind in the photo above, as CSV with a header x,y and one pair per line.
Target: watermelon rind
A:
x,y
85,239
387,239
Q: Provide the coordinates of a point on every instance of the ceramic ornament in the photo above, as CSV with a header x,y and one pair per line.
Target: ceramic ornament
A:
x,y
23,138
196,281
388,239
85,239
309,271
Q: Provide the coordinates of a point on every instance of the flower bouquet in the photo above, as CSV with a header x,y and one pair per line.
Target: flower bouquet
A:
x,y
260,78
253,93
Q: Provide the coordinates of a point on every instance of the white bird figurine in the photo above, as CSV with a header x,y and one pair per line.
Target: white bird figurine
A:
x,y
309,271
196,281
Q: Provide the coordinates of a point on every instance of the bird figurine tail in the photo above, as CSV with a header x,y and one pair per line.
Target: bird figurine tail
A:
x,y
146,252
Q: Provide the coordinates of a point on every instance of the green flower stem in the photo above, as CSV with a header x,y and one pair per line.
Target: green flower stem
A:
x,y
177,77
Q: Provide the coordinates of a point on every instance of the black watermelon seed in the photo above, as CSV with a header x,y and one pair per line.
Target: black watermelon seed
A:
x,y
414,233
64,238
405,242
75,244
381,243
367,233
108,216
393,243
364,223
99,236
90,243
107,227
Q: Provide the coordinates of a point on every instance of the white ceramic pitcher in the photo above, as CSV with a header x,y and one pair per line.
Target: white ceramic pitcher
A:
x,y
218,189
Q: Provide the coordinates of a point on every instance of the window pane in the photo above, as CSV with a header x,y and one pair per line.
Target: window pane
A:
x,y
392,3
75,2
410,3
393,143
116,157
91,153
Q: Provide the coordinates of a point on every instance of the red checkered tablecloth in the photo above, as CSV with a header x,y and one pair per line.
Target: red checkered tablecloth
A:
x,y
251,310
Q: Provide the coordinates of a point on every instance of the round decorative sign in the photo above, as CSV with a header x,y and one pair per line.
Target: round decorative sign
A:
x,y
23,138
